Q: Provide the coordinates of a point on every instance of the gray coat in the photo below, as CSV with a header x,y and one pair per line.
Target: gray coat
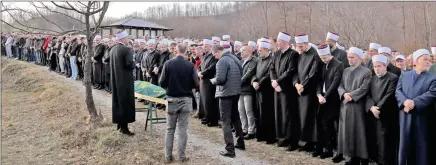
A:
x,y
228,76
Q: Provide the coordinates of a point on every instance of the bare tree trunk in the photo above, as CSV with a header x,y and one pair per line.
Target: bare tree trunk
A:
x,y
414,25
404,26
426,20
310,17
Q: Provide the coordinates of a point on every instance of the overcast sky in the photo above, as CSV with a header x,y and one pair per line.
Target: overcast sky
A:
x,y
116,9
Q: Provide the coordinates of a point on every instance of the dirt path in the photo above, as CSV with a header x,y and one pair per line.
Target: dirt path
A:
x,y
203,147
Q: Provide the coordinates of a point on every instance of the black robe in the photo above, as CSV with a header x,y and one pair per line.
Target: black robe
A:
x,y
283,69
341,56
308,76
123,97
208,102
163,57
382,133
98,65
149,62
264,100
139,75
391,68
328,113
107,69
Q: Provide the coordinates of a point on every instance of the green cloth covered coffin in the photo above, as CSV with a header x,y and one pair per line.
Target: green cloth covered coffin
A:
x,y
148,89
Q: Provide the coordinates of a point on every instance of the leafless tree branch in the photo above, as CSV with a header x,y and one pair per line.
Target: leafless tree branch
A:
x,y
42,15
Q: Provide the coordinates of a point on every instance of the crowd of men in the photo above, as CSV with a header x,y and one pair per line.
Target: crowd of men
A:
x,y
369,105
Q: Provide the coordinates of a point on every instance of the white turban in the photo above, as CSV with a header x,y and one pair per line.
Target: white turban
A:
x,y
302,38
332,36
164,42
106,39
216,39
122,35
252,44
384,50
357,51
238,43
284,37
151,41
97,37
374,46
265,45
226,37
419,53
323,50
380,58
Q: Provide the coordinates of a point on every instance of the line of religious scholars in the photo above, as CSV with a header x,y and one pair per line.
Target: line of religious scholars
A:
x,y
327,98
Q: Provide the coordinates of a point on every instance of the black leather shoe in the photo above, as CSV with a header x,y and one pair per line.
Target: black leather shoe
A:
x,y
291,148
326,155
353,161
212,124
243,133
227,154
308,147
270,141
241,147
338,158
126,132
249,136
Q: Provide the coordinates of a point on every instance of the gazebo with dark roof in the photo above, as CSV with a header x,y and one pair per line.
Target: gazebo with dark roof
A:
x,y
135,26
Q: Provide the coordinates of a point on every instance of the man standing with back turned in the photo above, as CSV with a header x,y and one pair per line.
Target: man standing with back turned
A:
x,y
178,77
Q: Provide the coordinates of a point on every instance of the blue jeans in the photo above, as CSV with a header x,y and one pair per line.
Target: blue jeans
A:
x,y
74,69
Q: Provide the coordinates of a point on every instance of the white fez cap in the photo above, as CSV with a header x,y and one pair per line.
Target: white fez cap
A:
x,y
252,44
106,39
226,37
384,50
207,42
262,40
380,58
151,41
374,46
216,39
122,35
265,45
419,53
357,51
284,36
400,57
238,43
301,38
323,50
332,36
433,49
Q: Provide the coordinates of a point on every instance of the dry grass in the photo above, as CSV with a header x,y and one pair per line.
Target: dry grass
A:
x,y
44,122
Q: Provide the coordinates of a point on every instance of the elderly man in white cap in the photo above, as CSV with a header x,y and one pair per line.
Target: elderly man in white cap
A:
x,y
305,83
265,130
339,54
433,67
416,95
97,60
237,48
254,46
123,98
151,63
164,55
373,50
382,119
283,69
400,62
355,84
245,104
208,102
328,98
386,51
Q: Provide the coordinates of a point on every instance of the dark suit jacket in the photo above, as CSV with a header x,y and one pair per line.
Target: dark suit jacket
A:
x,y
248,71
